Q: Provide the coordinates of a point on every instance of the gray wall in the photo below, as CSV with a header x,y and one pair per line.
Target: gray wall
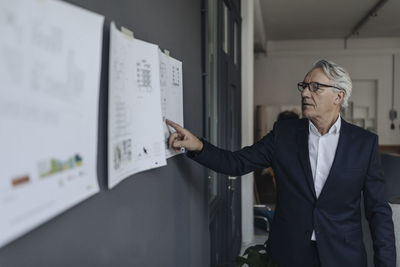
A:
x,y
156,218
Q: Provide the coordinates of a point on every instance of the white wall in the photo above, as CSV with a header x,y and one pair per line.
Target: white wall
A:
x,y
247,9
286,63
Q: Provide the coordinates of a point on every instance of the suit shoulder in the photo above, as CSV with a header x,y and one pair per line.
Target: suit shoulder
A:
x,y
361,132
287,129
291,123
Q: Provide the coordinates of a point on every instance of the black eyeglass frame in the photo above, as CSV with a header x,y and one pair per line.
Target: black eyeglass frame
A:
x,y
302,85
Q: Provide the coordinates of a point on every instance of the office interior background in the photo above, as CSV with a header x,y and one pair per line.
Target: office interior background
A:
x,y
241,62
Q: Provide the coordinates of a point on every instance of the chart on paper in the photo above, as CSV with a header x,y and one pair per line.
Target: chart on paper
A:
x,y
171,96
135,133
48,110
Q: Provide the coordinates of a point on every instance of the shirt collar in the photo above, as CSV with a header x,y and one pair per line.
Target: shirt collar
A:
x,y
335,128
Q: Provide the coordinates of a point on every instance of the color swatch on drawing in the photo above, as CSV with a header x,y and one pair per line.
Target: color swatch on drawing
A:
x,y
54,166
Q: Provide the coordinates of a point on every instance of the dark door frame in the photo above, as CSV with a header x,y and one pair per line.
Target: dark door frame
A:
x,y
225,209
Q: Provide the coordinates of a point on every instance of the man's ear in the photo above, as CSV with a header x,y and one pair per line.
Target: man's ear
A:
x,y
340,97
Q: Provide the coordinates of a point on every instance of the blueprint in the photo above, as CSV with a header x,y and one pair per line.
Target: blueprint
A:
x,y
171,96
135,131
50,57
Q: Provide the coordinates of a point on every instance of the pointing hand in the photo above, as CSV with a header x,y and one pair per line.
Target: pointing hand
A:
x,y
183,138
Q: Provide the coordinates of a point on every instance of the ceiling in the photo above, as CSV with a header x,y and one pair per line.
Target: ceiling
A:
x,y
326,19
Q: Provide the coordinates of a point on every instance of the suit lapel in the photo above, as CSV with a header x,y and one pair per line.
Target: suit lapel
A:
x,y
343,143
302,144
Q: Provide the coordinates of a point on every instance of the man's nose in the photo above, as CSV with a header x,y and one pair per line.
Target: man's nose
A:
x,y
306,92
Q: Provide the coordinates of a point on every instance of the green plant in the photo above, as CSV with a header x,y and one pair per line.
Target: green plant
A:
x,y
256,257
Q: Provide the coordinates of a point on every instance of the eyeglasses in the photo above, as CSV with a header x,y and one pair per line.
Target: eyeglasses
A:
x,y
313,86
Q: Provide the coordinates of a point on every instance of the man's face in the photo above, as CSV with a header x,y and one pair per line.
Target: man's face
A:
x,y
320,104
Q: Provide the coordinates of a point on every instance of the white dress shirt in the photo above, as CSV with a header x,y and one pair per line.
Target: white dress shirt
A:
x,y
322,150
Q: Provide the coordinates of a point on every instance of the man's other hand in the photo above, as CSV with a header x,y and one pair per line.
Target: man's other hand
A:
x,y
182,138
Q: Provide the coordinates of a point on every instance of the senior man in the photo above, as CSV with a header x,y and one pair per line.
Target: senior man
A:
x,y
322,166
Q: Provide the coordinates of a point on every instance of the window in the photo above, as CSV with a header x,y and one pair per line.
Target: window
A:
x,y
235,43
225,28
212,90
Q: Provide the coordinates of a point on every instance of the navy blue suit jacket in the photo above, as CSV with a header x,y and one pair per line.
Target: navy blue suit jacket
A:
x,y
335,214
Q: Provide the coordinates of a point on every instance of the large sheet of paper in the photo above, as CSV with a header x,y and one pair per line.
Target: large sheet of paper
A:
x,y
135,131
50,56
171,96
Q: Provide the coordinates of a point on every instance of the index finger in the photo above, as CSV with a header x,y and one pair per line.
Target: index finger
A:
x,y
174,125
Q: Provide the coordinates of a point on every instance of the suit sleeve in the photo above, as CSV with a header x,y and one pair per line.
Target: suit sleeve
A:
x,y
240,162
379,213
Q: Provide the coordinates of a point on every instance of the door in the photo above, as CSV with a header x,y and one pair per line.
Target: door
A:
x,y
221,72
231,86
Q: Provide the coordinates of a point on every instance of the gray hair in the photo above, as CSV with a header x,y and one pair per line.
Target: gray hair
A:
x,y
338,75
